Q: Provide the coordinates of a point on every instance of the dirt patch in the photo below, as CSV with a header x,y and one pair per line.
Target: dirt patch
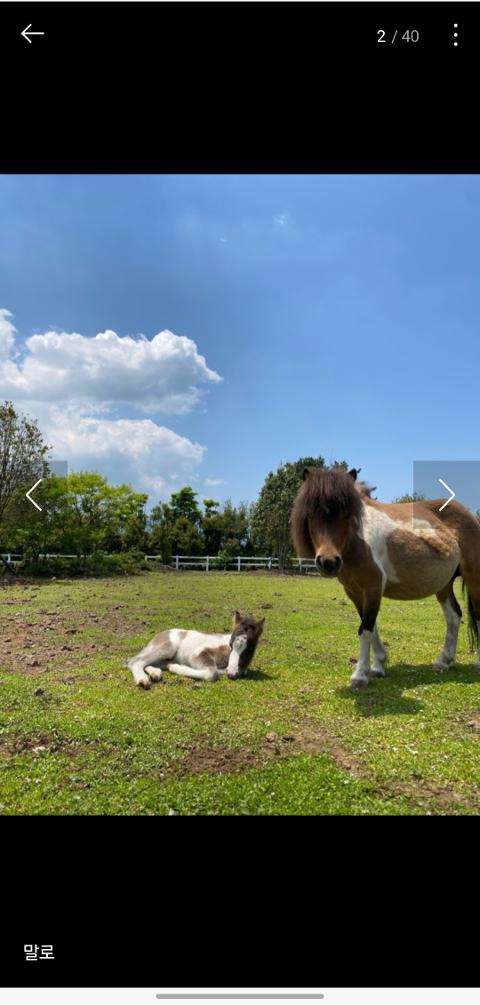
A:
x,y
470,722
314,739
305,740
317,740
42,744
33,643
423,789
443,794
218,760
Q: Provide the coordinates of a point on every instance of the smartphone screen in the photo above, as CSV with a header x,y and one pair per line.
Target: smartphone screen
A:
x,y
239,496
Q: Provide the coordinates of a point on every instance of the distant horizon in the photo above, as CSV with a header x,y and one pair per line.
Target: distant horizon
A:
x,y
201,330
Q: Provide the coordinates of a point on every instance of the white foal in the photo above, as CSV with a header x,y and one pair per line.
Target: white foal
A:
x,y
198,654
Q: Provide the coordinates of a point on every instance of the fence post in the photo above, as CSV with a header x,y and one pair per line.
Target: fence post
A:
x,y
206,570
239,561
176,562
270,564
300,565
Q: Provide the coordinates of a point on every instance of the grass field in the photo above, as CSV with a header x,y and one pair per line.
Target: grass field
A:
x,y
77,736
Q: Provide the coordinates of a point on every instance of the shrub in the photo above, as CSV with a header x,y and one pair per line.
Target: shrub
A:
x,y
98,564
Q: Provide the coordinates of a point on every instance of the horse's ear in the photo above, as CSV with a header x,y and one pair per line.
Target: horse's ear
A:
x,y
306,472
237,617
260,625
354,472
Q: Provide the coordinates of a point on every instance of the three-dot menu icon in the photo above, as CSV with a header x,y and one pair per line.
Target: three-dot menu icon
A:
x,y
455,34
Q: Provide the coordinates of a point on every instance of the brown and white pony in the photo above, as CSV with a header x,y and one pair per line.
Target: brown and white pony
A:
x,y
198,654
404,551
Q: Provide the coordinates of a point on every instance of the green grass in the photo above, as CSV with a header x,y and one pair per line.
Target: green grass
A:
x,y
291,738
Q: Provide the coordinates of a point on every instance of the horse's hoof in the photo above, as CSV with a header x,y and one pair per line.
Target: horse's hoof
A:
x,y
439,667
155,675
145,684
376,672
359,683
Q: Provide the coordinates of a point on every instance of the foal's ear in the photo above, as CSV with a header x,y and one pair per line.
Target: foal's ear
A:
x,y
354,472
306,472
260,625
237,617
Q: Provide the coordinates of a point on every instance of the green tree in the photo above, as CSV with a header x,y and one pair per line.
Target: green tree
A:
x,y
270,519
22,463
176,528
235,525
184,504
83,514
212,526
226,530
180,528
211,506
22,455
186,537
415,497
160,532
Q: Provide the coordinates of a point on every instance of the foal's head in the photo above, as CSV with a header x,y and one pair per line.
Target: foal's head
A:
x,y
245,635
326,510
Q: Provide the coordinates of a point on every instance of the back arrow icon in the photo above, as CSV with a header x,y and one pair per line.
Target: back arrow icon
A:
x,y
26,33
32,490
447,487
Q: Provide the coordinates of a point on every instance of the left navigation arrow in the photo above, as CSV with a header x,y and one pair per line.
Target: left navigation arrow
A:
x,y
32,490
26,33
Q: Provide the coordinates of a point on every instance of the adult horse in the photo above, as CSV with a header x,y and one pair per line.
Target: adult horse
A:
x,y
405,551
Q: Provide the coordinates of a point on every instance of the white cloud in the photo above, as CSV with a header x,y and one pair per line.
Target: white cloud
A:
x,y
76,387
151,457
164,374
7,334
214,481
281,219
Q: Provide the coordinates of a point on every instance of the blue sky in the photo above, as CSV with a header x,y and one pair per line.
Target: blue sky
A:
x,y
341,313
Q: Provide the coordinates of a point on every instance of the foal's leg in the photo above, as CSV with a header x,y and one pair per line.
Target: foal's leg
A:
x,y
368,607
146,666
453,614
202,667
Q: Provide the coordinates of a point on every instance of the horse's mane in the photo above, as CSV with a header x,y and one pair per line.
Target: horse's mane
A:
x,y
365,489
328,492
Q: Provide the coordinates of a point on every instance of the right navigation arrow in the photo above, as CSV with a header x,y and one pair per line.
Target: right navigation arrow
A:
x,y
452,494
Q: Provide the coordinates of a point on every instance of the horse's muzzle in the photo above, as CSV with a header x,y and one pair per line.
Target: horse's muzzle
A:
x,y
328,567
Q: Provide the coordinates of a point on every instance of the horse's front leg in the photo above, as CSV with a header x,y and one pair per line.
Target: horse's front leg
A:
x,y
380,655
368,608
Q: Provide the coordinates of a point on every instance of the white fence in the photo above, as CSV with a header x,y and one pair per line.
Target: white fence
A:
x,y
205,562
238,563
11,557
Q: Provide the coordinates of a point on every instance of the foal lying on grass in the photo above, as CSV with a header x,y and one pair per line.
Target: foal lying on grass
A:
x,y
199,655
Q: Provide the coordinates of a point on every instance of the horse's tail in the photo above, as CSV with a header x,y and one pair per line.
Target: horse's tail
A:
x,y
472,621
